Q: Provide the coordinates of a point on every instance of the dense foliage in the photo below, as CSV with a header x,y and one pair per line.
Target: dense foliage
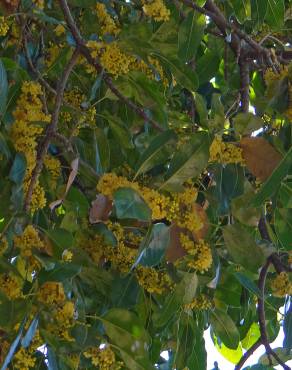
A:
x,y
145,193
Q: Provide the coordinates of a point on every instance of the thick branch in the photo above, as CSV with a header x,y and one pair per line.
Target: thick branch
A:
x,y
86,53
50,130
244,84
248,353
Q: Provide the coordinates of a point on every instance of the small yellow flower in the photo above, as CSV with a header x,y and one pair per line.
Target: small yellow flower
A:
x,y
59,30
281,285
3,27
157,10
67,255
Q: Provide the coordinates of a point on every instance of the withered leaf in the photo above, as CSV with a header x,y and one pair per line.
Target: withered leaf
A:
x,y
100,209
260,156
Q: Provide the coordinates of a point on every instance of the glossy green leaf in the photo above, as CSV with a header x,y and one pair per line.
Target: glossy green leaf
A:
x,y
191,31
242,9
28,337
187,162
3,88
151,156
154,250
275,13
129,204
283,226
60,272
241,245
61,238
258,10
224,328
18,169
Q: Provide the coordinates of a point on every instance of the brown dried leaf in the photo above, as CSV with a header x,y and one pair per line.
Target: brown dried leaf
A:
x,y
100,209
260,156
200,234
174,250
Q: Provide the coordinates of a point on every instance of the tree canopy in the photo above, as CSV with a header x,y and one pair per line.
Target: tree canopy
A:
x,y
145,190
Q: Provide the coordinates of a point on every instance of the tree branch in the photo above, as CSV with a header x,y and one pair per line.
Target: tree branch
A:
x,y
248,353
86,53
50,130
244,83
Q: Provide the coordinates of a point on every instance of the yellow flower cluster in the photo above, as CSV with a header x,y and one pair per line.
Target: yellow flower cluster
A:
x,y
225,153
201,302
200,250
153,69
52,53
25,133
51,293
104,358
59,30
53,165
157,10
3,246
67,256
3,27
39,3
151,280
114,60
94,247
74,97
64,320
24,359
28,240
281,285
108,25
11,285
270,75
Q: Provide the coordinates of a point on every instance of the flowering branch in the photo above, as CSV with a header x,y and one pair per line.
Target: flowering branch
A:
x,y
50,130
86,53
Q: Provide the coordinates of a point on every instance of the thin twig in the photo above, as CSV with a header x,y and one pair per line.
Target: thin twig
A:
x,y
86,53
248,353
51,128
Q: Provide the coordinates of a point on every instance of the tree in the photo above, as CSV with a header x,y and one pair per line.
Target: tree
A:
x,y
146,182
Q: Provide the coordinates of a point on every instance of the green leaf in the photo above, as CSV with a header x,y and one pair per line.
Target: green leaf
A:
x,y
182,73
18,168
283,226
232,355
4,149
242,9
28,337
190,35
241,246
242,212
275,13
120,132
285,194
152,154
258,10
251,337
103,149
126,331
282,354
154,251
207,66
188,162
202,109
3,88
224,328
13,347
62,239
129,204
186,340
246,123
248,283
287,327
60,272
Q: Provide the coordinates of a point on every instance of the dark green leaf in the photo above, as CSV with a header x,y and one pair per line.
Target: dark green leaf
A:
x,y
18,168
129,204
60,272
283,226
275,13
224,328
258,10
3,88
190,34
154,251
287,327
28,337
241,245
150,156
188,162
248,283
